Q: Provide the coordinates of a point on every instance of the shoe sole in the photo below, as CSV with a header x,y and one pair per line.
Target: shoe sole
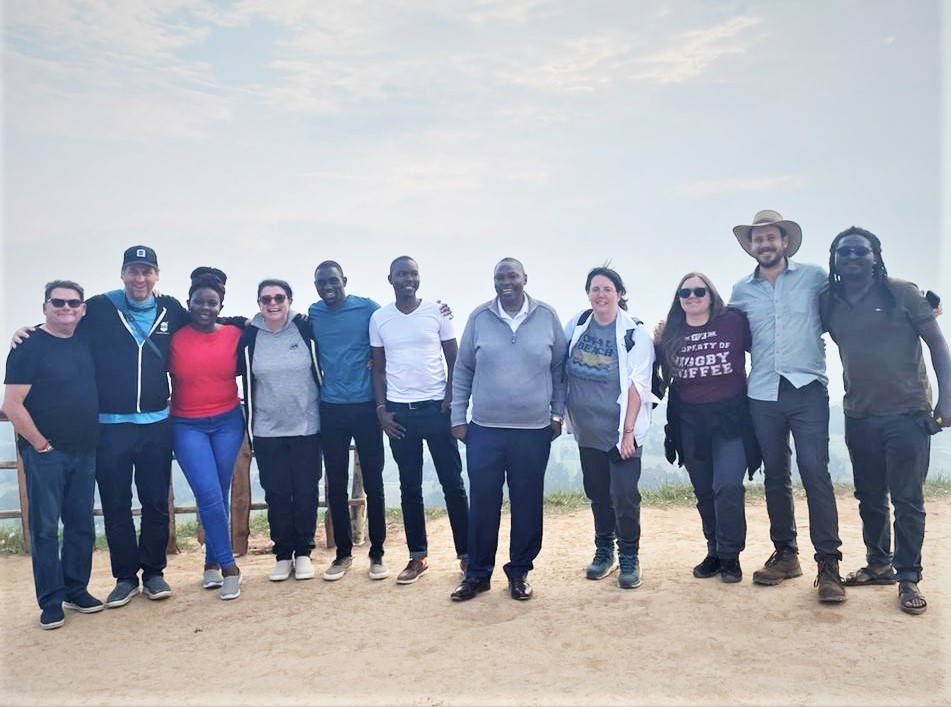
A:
x,y
629,586
333,577
50,627
279,577
309,575
116,603
771,582
212,585
378,575
235,595
593,576
401,580
155,596
731,579
832,600
477,592
83,609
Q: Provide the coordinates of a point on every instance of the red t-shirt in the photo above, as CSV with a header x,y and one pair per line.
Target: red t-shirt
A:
x,y
712,361
203,368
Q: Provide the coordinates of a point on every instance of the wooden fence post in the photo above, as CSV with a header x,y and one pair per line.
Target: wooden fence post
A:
x,y
241,501
24,503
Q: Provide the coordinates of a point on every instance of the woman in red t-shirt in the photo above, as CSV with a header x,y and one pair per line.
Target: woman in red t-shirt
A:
x,y
703,356
207,423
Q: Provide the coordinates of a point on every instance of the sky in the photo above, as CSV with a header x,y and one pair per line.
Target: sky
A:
x,y
264,136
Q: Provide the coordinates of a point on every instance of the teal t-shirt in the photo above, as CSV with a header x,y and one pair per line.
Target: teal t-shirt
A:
x,y
343,344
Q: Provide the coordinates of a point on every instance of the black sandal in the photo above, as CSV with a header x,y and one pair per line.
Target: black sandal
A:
x,y
910,599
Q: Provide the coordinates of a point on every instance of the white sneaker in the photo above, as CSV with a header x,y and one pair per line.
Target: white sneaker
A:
x,y
378,570
281,571
303,568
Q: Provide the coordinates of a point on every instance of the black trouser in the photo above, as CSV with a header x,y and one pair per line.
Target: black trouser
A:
x,y
289,469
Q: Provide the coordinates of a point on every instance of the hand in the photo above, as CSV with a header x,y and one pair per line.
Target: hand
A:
x,y
659,331
446,404
942,413
555,430
391,427
460,432
21,335
444,309
628,447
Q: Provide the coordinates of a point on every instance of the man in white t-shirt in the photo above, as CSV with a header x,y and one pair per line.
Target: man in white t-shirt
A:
x,y
409,340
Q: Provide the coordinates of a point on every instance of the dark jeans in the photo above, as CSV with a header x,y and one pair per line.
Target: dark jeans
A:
x,y
142,452
341,422
717,478
890,457
805,413
495,456
289,468
431,424
610,483
60,485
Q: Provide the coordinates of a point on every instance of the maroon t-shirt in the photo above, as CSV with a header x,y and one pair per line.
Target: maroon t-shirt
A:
x,y
711,366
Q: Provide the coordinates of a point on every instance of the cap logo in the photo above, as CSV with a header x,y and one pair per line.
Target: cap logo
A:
x,y
140,253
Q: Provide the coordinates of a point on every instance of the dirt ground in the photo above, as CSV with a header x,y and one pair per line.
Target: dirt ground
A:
x,y
675,640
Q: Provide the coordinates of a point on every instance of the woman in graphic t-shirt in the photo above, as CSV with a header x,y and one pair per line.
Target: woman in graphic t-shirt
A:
x,y
703,355
207,423
608,370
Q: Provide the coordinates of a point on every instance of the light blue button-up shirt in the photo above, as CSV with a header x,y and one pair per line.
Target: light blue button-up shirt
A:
x,y
787,331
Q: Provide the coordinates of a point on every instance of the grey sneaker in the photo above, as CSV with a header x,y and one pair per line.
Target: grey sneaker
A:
x,y
212,578
378,570
338,568
630,575
416,568
156,587
84,603
122,594
230,587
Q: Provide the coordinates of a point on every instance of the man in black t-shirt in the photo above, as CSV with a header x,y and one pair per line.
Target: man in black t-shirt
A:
x,y
51,399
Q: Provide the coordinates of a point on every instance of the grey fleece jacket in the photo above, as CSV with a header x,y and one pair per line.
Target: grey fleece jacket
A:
x,y
515,380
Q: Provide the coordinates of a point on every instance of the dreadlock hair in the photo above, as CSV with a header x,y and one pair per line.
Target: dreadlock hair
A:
x,y
212,278
675,328
879,272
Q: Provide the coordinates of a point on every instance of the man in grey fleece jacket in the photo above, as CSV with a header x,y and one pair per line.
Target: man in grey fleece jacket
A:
x,y
511,364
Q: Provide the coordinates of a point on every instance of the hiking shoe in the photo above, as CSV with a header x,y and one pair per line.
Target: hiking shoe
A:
x,y
828,581
730,571
782,564
378,570
211,578
303,568
630,575
603,563
122,594
338,568
416,568
52,617
230,587
282,570
710,567
156,588
84,603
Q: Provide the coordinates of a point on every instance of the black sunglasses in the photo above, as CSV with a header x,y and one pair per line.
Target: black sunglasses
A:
x,y
859,251
73,303
276,299
685,292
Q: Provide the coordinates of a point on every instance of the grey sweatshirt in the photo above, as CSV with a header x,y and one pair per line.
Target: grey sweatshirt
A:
x,y
515,380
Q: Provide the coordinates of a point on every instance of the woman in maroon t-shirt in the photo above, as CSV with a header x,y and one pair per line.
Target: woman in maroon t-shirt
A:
x,y
703,355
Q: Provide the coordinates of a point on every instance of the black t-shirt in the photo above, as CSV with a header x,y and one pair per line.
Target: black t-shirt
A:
x,y
62,401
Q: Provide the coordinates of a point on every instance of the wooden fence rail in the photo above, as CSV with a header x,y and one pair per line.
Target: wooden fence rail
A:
x,y
241,504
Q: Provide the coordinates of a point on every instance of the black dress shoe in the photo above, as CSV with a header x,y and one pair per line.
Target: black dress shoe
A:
x,y
520,589
469,588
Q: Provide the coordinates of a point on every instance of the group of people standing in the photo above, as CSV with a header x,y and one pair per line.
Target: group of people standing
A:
x,y
88,394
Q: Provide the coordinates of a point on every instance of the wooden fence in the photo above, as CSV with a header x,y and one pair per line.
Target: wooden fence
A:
x,y
241,504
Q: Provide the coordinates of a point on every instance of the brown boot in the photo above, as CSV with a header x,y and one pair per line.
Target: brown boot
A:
x,y
782,564
829,582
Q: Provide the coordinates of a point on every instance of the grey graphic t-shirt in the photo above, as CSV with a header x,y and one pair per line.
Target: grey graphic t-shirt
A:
x,y
593,387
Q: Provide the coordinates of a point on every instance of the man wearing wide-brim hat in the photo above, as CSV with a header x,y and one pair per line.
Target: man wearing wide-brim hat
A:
x,y
788,393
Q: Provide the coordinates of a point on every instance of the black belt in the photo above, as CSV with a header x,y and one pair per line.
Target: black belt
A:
x,y
414,406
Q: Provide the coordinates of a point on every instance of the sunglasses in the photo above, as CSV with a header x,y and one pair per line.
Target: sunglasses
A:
x,y
685,292
72,303
276,299
859,251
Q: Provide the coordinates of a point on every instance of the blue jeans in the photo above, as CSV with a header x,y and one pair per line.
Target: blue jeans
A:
x,y
717,477
341,422
60,485
431,424
142,452
610,483
804,412
206,449
495,456
890,456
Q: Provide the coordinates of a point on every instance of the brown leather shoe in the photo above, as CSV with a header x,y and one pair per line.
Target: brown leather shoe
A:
x,y
782,564
828,581
416,568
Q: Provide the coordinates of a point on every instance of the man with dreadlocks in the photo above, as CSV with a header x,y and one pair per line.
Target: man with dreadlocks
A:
x,y
878,323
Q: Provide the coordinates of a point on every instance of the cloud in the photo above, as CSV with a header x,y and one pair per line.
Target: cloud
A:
x,y
750,184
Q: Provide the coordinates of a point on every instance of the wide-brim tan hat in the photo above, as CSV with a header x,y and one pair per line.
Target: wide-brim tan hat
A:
x,y
768,217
